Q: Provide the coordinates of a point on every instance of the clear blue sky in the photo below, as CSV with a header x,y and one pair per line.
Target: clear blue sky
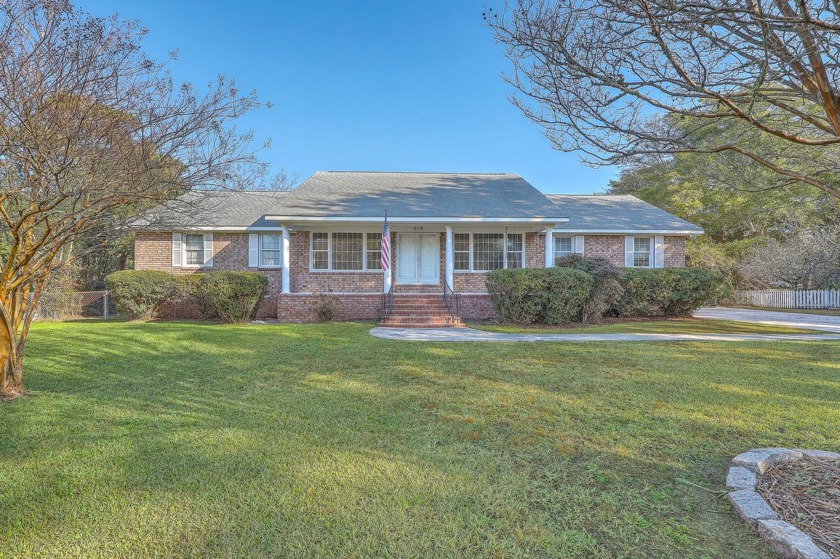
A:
x,y
367,85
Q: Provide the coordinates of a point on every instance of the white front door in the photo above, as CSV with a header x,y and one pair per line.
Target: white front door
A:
x,y
418,258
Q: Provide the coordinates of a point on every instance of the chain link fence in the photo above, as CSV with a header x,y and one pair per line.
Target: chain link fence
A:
x,y
63,305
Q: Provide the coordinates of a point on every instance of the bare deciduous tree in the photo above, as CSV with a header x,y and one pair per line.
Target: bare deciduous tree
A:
x,y
617,79
89,125
809,260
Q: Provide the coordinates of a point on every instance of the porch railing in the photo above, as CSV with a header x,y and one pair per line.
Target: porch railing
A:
x,y
387,303
451,300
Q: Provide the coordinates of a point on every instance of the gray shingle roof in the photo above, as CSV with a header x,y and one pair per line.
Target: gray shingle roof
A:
x,y
417,195
618,214
342,194
214,210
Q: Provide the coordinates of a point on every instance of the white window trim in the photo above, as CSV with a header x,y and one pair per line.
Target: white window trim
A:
x,y
203,251
260,249
650,251
565,252
472,269
329,268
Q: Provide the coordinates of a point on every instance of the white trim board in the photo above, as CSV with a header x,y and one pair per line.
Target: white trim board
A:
x,y
627,232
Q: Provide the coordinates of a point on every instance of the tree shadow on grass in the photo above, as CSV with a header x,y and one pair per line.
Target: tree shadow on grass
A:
x,y
266,434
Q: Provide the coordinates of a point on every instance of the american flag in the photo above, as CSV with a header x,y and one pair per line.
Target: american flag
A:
x,y
385,259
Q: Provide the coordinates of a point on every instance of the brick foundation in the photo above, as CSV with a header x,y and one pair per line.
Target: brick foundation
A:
x,y
476,307
303,307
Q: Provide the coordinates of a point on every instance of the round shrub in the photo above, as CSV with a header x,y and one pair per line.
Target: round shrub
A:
x,y
606,288
140,293
666,291
187,294
539,295
230,296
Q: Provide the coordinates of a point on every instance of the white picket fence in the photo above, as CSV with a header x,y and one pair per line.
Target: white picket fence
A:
x,y
791,298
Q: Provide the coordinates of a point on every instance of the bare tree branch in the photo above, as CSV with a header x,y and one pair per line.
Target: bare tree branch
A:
x,y
613,79
89,126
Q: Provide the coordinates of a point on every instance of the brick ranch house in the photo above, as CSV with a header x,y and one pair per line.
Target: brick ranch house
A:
x,y
447,231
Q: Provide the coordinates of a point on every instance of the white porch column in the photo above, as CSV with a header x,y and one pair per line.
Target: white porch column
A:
x,y
549,247
285,284
450,258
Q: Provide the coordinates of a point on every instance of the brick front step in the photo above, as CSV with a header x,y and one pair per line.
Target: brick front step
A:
x,y
417,310
414,289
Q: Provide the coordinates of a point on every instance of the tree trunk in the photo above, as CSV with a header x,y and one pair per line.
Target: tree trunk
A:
x,y
17,308
11,366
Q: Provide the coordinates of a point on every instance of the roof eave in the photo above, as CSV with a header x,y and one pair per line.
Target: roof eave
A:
x,y
675,232
409,219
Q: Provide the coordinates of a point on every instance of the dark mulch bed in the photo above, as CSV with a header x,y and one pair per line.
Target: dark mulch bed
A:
x,y
806,493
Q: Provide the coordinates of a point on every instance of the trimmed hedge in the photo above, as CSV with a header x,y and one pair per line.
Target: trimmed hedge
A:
x,y
665,291
229,296
140,293
539,295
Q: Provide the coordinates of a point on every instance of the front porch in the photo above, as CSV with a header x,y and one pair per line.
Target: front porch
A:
x,y
436,277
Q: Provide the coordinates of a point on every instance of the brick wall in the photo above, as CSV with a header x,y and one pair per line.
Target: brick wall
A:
x,y
610,247
675,252
476,307
534,250
153,251
303,307
470,282
305,281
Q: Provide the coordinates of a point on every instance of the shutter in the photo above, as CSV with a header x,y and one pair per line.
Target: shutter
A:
x,y
659,251
208,250
578,244
176,250
253,250
628,251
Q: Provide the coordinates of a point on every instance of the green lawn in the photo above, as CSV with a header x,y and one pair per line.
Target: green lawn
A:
x,y
191,440
674,326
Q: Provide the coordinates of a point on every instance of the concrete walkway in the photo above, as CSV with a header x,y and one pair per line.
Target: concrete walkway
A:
x,y
472,335
775,318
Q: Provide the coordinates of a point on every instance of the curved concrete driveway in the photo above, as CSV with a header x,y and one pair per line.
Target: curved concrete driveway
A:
x,y
472,335
775,318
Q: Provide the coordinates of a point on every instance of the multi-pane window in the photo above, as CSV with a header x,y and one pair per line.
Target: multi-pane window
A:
x,y
461,246
270,255
374,251
515,251
194,249
482,252
562,247
346,252
488,251
641,252
320,251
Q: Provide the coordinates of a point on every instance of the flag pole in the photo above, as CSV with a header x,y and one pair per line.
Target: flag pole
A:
x,y
385,258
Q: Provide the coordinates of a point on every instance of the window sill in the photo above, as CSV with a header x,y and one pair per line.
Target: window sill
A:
x,y
345,271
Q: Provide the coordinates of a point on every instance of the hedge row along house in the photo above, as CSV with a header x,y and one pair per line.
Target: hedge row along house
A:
x,y
446,232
